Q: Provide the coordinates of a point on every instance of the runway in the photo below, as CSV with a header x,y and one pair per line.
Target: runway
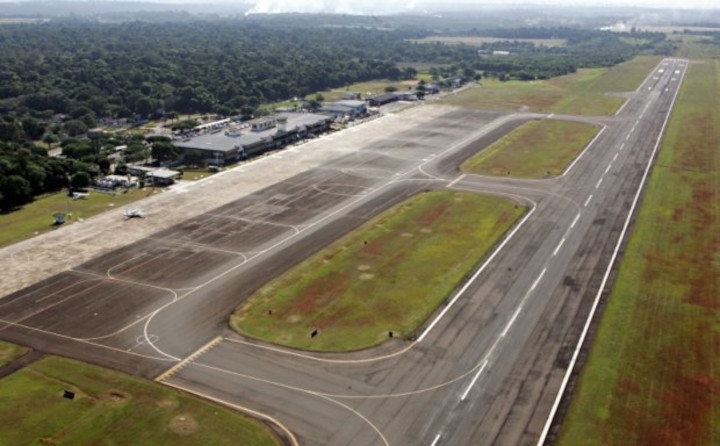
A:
x,y
485,369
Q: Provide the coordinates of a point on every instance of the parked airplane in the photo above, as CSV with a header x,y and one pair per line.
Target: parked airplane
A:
x,y
134,213
80,196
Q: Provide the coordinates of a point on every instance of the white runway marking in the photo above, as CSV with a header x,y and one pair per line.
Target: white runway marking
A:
x,y
477,273
587,201
577,217
590,144
615,157
597,185
607,169
435,441
474,380
539,278
511,322
456,180
581,340
557,248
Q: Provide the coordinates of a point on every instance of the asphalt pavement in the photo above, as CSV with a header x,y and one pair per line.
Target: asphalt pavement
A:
x,y
487,368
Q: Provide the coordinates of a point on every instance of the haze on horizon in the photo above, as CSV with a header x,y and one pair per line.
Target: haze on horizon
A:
x,y
366,7
399,6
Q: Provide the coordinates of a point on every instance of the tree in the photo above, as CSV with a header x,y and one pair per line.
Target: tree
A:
x,y
390,89
80,180
163,151
75,127
15,191
136,152
50,139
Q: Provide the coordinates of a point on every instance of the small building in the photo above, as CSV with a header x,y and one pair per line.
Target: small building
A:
x,y
407,96
163,177
432,89
155,176
345,109
382,99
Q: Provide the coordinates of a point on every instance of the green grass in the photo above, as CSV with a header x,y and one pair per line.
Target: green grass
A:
x,y
582,93
10,352
388,275
195,174
653,374
112,409
537,149
366,88
37,217
696,47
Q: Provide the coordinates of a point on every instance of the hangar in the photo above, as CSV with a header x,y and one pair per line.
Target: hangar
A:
x,y
254,137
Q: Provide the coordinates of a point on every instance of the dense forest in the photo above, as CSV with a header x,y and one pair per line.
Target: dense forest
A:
x,y
88,70
61,78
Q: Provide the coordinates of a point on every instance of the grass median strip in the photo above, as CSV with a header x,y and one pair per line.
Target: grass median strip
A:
x,y
10,352
582,93
388,275
537,149
652,376
112,408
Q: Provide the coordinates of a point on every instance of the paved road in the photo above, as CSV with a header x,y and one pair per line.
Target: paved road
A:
x,y
485,370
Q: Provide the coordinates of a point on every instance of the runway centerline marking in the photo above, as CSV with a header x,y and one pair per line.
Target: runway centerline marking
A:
x,y
588,200
474,380
577,217
435,441
511,321
581,340
607,169
557,248
597,185
615,157
539,278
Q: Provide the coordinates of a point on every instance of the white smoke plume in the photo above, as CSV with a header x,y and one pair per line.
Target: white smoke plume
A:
x,y
365,7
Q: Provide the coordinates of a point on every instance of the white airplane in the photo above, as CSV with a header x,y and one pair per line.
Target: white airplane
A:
x,y
134,213
80,196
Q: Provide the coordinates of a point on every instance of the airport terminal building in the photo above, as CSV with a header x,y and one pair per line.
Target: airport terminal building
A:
x,y
231,144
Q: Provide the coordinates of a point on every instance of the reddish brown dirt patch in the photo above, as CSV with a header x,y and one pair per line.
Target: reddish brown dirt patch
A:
x,y
429,217
677,215
314,296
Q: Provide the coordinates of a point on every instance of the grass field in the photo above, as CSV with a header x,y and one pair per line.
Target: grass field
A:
x,y
578,93
195,174
478,41
388,275
37,217
10,352
537,149
653,374
696,47
366,88
112,409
